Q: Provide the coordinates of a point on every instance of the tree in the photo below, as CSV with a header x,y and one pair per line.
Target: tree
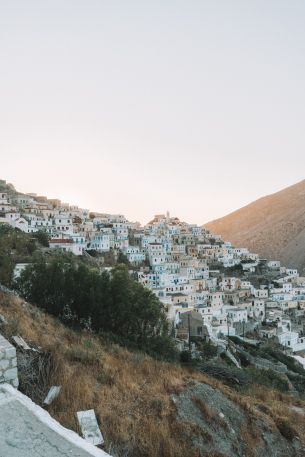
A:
x,y
15,246
122,259
43,238
6,269
114,303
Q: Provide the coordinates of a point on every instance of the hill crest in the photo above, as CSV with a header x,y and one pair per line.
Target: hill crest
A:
x,y
273,226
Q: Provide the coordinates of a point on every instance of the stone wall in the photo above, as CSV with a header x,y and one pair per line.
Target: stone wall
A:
x,y
8,363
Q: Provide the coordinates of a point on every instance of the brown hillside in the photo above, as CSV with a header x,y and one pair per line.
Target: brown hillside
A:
x,y
148,408
273,226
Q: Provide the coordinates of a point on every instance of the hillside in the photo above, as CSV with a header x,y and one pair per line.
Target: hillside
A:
x,y
148,408
273,226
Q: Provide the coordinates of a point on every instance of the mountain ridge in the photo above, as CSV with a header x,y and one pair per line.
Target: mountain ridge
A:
x,y
273,226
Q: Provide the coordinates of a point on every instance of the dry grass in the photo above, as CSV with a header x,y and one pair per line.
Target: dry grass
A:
x,y
207,413
285,427
130,392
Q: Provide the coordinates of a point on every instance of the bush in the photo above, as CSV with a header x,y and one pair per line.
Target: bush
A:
x,y
208,350
298,382
84,356
122,259
42,237
285,428
224,356
15,246
268,378
92,252
243,360
186,357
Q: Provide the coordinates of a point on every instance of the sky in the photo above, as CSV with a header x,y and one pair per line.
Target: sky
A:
x,y
139,107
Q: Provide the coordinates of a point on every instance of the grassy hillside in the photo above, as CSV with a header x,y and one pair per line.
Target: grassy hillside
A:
x,y
148,408
273,226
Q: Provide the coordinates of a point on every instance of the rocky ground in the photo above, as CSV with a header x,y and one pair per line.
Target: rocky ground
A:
x,y
223,427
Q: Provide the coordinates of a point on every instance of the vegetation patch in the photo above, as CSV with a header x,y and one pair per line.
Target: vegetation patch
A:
x,y
132,394
268,378
286,429
111,303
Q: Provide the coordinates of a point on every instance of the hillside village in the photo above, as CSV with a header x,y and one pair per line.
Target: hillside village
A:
x,y
210,289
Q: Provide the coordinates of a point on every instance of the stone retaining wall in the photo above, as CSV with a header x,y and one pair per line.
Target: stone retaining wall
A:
x,y
8,363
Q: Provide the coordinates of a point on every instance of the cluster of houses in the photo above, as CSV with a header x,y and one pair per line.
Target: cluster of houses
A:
x,y
71,229
209,288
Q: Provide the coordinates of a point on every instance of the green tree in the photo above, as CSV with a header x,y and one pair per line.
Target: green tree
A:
x,y
42,237
114,303
122,259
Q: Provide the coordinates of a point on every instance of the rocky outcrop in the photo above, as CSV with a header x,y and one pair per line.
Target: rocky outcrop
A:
x,y
222,427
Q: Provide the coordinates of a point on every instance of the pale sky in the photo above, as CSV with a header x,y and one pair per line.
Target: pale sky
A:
x,y
138,107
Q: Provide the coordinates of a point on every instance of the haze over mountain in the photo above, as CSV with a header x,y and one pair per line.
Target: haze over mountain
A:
x,y
273,226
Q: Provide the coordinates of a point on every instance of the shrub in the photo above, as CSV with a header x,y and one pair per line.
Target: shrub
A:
x,y
208,350
224,356
298,382
42,237
84,356
243,359
285,428
186,357
268,378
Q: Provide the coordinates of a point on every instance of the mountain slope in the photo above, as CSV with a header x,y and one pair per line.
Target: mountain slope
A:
x,y
273,226
145,407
